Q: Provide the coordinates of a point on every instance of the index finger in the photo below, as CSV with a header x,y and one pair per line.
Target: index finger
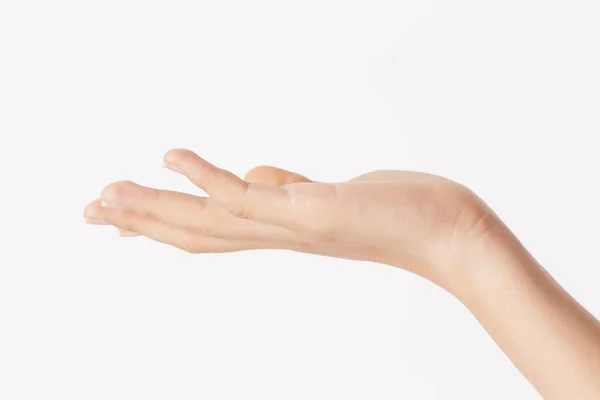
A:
x,y
259,202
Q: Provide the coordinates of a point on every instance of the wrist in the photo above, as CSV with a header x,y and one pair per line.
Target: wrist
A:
x,y
495,257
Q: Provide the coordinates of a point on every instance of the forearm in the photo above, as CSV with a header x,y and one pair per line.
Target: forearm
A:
x,y
551,338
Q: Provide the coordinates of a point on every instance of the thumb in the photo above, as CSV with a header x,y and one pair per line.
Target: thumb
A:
x,y
273,176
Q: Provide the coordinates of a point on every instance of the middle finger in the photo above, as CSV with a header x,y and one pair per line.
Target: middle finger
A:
x,y
185,211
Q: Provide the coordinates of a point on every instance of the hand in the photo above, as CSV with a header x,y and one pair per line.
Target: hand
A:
x,y
420,222
423,223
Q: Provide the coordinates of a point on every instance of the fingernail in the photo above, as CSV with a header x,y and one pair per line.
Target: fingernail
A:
x,y
95,221
126,233
173,167
104,204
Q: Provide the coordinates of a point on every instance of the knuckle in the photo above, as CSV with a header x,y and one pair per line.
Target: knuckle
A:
x,y
127,215
209,231
241,208
239,211
189,243
191,248
156,194
200,204
127,219
324,230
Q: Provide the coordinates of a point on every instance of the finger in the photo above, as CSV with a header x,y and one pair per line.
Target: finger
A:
x,y
243,199
192,242
178,209
126,233
273,176
184,211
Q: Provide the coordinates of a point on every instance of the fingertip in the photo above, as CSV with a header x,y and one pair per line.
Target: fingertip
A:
x,y
273,176
128,233
93,210
175,155
113,192
186,162
174,158
260,174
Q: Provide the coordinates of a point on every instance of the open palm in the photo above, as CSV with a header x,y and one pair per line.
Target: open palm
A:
x,y
408,219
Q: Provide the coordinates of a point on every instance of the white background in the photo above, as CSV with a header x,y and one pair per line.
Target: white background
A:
x,y
503,96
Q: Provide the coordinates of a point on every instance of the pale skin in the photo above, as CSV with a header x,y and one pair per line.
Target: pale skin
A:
x,y
428,225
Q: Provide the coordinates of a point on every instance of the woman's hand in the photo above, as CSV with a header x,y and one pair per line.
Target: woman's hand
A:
x,y
423,223
420,222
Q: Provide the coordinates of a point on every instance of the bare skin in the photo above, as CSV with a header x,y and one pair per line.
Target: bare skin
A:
x,y
425,224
